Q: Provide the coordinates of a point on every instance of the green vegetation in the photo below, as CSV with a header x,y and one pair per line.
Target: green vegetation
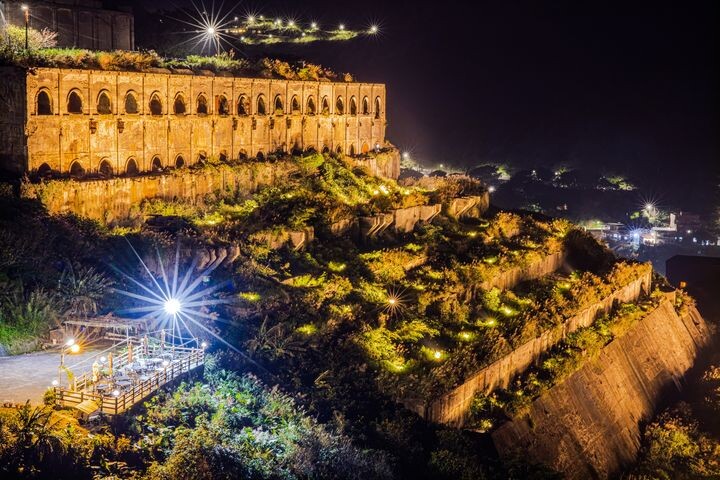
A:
x,y
564,359
683,442
229,426
43,53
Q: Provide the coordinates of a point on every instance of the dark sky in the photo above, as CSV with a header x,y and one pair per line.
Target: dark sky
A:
x,y
629,87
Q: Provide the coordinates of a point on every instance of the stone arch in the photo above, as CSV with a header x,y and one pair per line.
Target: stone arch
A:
x,y
311,149
339,105
223,107
44,170
43,103
242,154
339,150
326,149
156,164
365,148
260,156
295,105
243,105
278,104
365,106
179,107
260,110
105,168
104,106
353,106
352,150
377,107
131,105
131,167
310,110
201,106
76,169
325,106
74,102
202,156
223,156
156,107
179,161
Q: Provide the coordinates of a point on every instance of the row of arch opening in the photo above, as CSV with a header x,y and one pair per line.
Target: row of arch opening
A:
x,y
132,167
222,105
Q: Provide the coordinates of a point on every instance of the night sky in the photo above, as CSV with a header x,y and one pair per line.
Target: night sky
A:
x,y
625,87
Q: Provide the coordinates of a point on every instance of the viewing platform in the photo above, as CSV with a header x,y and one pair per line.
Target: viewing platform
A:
x,y
125,377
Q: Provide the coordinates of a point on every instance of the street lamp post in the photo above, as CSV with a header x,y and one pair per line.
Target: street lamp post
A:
x,y
26,9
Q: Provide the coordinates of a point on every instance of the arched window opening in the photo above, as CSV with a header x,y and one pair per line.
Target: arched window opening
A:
x,y
260,105
377,107
311,149
103,104
179,105
365,148
339,106
242,155
223,156
44,107
132,167
326,149
366,106
44,170
279,109
325,106
156,165
74,104
155,105
76,169
339,150
223,107
310,106
295,105
179,162
243,106
260,156
353,106
202,157
352,150
105,169
131,106
202,108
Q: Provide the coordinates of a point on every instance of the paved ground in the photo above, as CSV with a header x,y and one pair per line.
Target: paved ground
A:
x,y
26,377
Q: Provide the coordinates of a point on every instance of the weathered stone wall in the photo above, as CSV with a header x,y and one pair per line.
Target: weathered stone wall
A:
x,y
453,407
79,23
589,426
234,126
118,199
470,206
509,278
12,120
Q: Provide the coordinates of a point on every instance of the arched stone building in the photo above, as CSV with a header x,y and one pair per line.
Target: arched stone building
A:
x,y
115,123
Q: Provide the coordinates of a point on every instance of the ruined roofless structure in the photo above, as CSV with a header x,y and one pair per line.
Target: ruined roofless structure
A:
x,y
78,23
114,123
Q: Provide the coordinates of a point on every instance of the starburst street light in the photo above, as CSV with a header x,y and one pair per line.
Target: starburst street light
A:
x,y
373,29
209,29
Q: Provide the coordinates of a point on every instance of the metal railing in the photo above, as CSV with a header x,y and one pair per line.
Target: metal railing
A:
x,y
190,359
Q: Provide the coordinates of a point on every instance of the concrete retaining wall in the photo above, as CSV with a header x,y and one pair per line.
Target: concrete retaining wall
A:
x,y
589,426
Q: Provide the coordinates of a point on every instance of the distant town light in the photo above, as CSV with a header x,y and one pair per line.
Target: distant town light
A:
x,y
291,24
406,155
24,7
251,19
203,345
341,27
314,25
491,189
437,355
373,29
211,30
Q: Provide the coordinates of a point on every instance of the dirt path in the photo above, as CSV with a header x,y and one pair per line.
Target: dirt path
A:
x,y
26,377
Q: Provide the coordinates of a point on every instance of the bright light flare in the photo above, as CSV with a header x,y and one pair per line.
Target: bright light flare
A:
x,y
75,348
373,29
172,306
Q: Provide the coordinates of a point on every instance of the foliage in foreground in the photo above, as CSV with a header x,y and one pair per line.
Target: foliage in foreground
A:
x,y
227,427
684,441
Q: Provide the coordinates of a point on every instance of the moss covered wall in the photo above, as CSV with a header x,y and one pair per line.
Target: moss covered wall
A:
x,y
117,200
589,426
453,408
